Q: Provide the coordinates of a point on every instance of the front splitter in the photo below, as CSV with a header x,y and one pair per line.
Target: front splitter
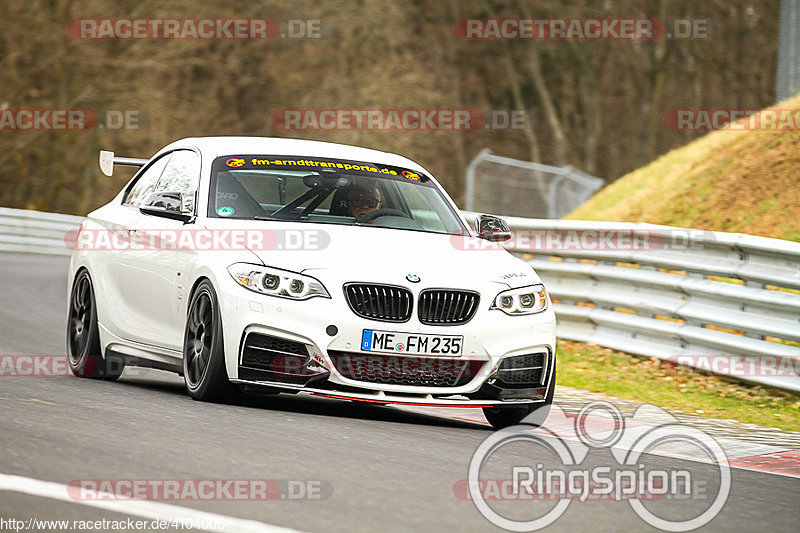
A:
x,y
383,398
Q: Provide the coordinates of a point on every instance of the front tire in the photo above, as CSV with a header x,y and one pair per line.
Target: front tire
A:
x,y
83,335
204,371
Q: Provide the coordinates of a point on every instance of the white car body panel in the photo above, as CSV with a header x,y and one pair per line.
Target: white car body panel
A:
x,y
142,295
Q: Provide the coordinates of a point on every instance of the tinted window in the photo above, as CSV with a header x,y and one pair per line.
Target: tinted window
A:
x,y
146,182
182,175
328,191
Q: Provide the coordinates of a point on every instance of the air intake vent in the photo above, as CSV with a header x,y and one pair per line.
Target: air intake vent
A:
x,y
379,302
412,371
271,353
522,370
446,307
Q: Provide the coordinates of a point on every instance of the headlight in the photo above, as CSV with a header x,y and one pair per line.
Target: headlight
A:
x,y
276,282
522,301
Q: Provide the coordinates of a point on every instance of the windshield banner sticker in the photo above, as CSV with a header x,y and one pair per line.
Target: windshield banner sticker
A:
x,y
277,162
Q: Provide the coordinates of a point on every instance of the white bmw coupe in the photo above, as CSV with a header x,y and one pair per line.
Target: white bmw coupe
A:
x,y
275,265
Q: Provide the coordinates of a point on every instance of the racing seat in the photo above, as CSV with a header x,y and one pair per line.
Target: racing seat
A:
x,y
339,205
230,193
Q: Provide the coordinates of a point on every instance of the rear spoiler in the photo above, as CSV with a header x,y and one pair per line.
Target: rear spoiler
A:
x,y
107,162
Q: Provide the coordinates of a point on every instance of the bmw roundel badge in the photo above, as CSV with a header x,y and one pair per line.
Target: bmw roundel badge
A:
x,y
413,278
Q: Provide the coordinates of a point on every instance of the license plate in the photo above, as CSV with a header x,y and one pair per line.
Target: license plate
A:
x,y
411,343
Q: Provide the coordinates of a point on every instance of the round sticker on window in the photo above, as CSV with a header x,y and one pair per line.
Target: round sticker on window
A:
x,y
225,211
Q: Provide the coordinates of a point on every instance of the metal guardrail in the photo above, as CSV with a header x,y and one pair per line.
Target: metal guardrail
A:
x,y
639,288
22,230
664,297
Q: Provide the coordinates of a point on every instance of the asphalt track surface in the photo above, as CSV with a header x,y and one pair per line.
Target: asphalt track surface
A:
x,y
381,468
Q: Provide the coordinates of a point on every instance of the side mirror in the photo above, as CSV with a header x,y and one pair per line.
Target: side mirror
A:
x,y
165,204
493,228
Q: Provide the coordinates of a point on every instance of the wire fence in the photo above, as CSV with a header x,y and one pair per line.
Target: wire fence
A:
x,y
788,75
510,187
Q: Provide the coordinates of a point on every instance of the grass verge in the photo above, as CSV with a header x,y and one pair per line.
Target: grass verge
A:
x,y
650,380
739,180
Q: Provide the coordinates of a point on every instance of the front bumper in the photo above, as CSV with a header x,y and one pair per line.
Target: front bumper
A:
x,y
326,327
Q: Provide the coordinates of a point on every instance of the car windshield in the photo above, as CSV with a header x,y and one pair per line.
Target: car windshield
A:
x,y
328,191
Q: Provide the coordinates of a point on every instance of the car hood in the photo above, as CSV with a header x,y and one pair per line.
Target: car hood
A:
x,y
364,253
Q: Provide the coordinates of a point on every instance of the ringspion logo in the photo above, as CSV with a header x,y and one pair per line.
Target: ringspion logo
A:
x,y
554,468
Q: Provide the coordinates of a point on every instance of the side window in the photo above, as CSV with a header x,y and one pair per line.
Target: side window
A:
x,y
182,174
146,183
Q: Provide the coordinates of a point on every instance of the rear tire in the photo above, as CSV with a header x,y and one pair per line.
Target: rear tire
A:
x,y
83,335
533,415
204,371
